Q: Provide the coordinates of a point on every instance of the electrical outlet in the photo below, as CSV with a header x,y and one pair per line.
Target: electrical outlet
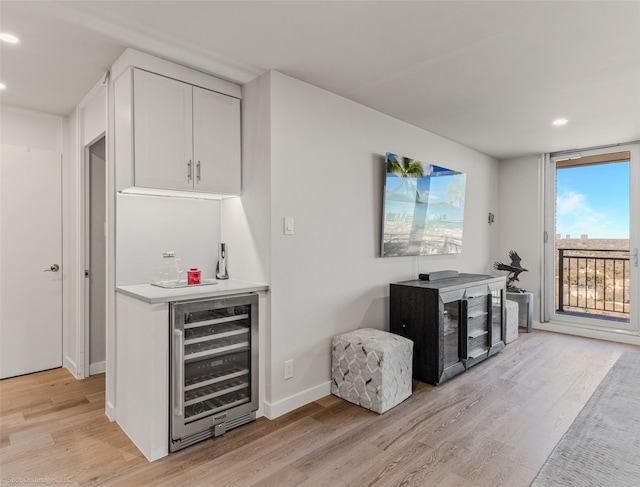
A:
x,y
288,369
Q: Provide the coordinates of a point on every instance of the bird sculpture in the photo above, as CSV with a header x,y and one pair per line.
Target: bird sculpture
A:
x,y
514,269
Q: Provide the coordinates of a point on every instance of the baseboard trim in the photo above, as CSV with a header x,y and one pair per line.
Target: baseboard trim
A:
x,y
288,404
97,368
630,338
71,366
110,411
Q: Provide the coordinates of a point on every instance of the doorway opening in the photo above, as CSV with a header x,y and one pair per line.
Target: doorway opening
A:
x,y
95,257
591,264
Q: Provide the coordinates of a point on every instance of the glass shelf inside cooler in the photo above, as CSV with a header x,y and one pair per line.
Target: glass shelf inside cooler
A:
x,y
216,346
202,394
192,335
206,380
214,321
214,316
221,400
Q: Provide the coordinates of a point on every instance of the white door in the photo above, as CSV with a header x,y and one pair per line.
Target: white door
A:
x,y
30,261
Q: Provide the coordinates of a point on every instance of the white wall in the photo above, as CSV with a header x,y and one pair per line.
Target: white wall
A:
x,y
519,219
71,236
246,221
86,123
147,226
29,128
94,112
326,171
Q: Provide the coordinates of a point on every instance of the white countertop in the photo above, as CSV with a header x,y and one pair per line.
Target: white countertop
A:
x,y
154,294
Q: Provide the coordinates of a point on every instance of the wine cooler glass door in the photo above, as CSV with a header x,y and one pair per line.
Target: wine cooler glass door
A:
x,y
213,352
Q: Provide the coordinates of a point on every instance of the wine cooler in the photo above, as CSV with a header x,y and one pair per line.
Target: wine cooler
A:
x,y
214,367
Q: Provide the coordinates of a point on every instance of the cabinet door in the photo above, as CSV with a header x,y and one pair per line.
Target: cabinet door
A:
x,y
497,316
163,144
216,142
451,353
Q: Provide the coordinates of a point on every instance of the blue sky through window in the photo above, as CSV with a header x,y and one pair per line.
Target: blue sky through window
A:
x,y
593,200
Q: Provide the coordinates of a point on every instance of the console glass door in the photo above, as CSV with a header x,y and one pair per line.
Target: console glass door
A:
x,y
451,333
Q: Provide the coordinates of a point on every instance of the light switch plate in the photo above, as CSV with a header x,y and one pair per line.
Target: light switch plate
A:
x,y
288,225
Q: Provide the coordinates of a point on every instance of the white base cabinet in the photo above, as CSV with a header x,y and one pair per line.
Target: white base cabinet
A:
x,y
143,357
142,371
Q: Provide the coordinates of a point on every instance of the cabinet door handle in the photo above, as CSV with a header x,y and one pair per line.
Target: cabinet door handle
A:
x,y
189,164
179,372
198,171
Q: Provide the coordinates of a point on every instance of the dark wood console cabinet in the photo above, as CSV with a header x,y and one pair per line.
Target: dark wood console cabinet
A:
x,y
454,323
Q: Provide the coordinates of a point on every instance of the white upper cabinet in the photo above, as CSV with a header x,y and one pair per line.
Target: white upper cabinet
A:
x,y
163,132
216,142
172,135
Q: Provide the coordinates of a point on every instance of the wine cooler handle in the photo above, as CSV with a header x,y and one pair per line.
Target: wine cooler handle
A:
x,y
179,376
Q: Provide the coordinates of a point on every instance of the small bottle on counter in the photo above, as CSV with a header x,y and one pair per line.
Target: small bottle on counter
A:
x,y
193,276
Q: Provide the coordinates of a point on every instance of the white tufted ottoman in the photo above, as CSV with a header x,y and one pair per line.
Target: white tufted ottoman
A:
x,y
511,316
371,368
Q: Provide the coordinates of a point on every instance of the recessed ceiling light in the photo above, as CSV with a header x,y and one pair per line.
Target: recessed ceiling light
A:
x,y
10,38
560,121
2,86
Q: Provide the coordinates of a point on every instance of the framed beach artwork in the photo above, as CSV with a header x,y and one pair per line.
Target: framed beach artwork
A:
x,y
423,208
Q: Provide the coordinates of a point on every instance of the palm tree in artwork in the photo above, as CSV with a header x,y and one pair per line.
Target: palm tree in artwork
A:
x,y
455,192
404,167
409,170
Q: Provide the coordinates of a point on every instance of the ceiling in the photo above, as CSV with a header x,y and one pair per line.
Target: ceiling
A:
x,y
489,75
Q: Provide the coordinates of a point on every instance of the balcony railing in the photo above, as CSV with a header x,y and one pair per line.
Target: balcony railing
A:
x,y
594,282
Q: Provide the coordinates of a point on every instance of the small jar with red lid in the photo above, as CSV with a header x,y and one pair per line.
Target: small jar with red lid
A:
x,y
193,276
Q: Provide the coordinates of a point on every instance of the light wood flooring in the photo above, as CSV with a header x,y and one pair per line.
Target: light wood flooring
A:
x,y
493,425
